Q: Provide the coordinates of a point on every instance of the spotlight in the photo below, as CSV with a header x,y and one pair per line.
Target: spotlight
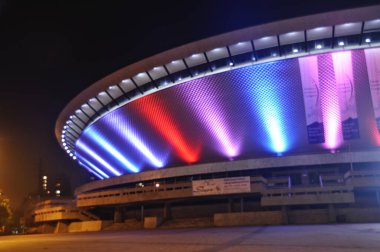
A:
x,y
368,40
341,43
319,46
295,50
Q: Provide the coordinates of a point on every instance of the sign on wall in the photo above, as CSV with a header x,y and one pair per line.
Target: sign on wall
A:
x,y
221,186
312,99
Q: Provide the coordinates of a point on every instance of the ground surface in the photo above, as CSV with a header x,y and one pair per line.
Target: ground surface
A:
x,y
325,238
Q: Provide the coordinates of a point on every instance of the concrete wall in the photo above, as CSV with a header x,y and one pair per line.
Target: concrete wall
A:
x,y
61,227
46,228
357,215
152,222
199,209
309,216
87,226
248,218
306,216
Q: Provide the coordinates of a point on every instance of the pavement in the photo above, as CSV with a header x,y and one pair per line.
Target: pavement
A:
x,y
305,238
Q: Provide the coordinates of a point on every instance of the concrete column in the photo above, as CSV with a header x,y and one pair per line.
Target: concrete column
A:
x,y
118,215
167,211
378,198
142,213
241,204
284,213
229,205
332,213
305,178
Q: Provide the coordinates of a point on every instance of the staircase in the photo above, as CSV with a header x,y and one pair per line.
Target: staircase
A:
x,y
86,216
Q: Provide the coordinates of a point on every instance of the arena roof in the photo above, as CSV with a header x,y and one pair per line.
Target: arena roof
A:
x,y
235,53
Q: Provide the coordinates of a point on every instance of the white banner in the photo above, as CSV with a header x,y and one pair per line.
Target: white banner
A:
x,y
312,100
221,186
372,57
346,92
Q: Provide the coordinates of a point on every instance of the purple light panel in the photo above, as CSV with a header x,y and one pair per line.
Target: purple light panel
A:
x,y
251,112
330,103
206,107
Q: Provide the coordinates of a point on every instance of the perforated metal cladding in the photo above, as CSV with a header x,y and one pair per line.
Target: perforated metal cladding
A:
x,y
329,102
250,112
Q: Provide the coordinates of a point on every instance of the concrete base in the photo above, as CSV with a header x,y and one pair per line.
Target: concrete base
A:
x,y
45,228
248,218
61,227
282,217
88,226
152,222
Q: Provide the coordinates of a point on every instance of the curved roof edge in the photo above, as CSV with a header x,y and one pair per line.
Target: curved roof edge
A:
x,y
254,32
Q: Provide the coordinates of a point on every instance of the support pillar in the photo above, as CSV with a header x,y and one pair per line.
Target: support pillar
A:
x,y
241,204
284,213
378,198
118,215
167,211
142,214
332,213
229,205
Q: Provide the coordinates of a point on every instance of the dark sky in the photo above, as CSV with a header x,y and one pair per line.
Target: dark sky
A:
x,y
52,50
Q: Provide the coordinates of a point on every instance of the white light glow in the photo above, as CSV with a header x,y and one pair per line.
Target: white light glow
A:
x,y
98,158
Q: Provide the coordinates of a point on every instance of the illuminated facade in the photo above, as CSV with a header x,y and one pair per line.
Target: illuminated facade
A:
x,y
249,112
247,100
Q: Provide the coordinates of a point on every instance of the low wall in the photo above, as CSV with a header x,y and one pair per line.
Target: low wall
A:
x,y
248,218
45,228
152,222
309,216
357,215
88,226
61,227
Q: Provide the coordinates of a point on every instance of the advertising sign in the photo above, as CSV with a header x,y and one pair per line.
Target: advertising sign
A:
x,y
221,186
312,99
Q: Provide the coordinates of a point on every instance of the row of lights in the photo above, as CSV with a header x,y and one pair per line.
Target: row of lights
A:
x,y
70,150
65,144
319,46
141,184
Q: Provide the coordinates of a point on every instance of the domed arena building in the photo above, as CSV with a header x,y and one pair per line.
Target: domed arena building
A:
x,y
272,124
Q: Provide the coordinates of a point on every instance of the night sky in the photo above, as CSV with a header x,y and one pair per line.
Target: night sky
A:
x,y
52,50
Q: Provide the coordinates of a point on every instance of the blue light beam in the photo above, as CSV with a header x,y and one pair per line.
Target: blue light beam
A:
x,y
129,134
90,152
111,149
87,164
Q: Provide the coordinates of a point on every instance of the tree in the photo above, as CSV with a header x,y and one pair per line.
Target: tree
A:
x,y
5,212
